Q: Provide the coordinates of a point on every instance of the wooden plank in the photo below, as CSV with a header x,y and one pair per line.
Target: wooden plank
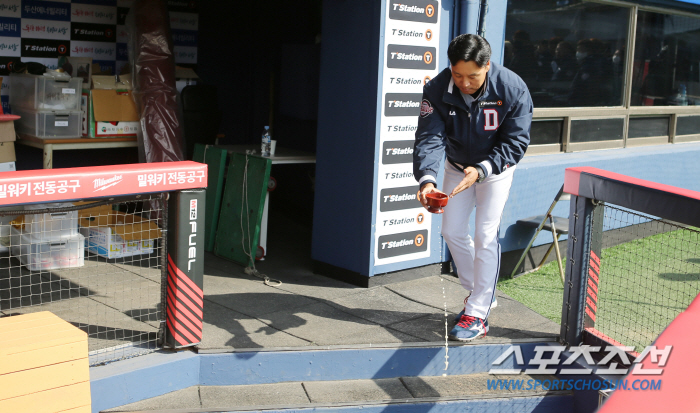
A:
x,y
6,321
230,239
26,324
215,159
38,334
77,139
38,342
81,409
26,360
61,398
26,382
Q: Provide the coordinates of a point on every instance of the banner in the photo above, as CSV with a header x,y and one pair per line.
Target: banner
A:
x,y
411,37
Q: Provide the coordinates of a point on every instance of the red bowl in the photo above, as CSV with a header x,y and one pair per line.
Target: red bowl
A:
x,y
436,201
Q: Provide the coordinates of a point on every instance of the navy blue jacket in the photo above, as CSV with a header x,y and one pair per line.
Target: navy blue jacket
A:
x,y
493,132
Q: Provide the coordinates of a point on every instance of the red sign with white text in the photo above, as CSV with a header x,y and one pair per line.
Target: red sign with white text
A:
x,y
51,185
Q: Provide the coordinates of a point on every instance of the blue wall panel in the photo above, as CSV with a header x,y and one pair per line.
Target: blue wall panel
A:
x,y
538,178
143,377
346,134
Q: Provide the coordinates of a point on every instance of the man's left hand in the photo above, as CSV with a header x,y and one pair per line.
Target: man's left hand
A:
x,y
470,176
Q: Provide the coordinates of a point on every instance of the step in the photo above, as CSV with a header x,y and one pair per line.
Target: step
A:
x,y
160,373
462,393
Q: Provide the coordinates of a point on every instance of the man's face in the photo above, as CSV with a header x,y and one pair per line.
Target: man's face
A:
x,y
469,76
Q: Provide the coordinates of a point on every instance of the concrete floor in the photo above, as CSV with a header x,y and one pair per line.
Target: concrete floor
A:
x,y
241,312
118,302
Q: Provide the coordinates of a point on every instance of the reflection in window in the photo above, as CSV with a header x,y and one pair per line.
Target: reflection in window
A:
x,y
666,56
568,53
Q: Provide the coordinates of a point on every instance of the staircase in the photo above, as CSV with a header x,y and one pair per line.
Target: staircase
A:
x,y
357,379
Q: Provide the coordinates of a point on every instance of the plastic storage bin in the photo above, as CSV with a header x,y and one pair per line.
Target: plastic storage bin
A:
x,y
52,226
50,255
49,124
44,93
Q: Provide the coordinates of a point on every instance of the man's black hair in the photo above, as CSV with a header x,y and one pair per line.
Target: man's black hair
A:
x,y
469,47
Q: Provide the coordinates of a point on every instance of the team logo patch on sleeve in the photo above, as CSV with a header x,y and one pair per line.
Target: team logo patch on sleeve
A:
x,y
425,108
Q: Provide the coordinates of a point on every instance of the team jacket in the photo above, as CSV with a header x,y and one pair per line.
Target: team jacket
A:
x,y
493,132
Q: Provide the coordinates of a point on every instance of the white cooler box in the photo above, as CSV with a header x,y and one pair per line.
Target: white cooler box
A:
x,y
49,125
44,93
52,226
49,255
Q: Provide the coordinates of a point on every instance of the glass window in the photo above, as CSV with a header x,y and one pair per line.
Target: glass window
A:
x,y
546,132
666,56
594,130
570,54
646,127
688,125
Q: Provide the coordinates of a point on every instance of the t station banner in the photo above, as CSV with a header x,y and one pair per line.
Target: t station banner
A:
x,y
411,42
43,31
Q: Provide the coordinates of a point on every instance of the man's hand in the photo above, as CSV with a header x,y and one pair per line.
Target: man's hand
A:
x,y
470,176
427,189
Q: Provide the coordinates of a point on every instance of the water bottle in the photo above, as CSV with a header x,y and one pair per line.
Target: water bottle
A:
x,y
265,145
683,95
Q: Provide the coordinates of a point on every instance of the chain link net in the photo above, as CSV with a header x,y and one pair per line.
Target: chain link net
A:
x,y
649,273
96,265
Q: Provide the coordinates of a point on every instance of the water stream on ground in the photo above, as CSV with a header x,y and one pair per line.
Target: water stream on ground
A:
x,y
447,363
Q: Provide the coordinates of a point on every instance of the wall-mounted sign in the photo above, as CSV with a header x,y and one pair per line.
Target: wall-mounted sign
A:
x,y
411,37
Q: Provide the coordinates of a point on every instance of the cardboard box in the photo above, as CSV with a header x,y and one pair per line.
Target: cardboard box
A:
x,y
77,67
7,167
7,152
112,82
110,113
7,131
113,234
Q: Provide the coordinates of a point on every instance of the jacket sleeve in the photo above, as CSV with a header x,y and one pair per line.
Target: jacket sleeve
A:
x,y
429,147
513,136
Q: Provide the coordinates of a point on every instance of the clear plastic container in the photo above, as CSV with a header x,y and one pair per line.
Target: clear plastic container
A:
x,y
53,226
44,93
50,255
49,125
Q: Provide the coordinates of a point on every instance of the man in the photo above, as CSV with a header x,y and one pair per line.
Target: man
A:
x,y
478,113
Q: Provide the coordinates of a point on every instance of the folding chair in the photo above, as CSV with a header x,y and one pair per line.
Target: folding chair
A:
x,y
557,226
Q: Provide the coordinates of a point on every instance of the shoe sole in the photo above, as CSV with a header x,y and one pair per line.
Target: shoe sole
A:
x,y
463,340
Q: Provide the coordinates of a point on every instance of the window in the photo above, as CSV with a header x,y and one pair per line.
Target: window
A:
x,y
595,130
688,125
666,58
647,127
597,82
546,132
570,54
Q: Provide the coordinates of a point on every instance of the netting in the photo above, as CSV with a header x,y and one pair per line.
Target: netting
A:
x,y
96,265
649,273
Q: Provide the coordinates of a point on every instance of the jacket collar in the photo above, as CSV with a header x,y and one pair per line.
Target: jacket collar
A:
x,y
452,96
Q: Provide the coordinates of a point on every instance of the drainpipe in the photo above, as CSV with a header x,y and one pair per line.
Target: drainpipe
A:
x,y
469,10
482,17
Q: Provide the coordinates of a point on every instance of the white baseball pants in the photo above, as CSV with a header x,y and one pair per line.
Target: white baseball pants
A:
x,y
478,259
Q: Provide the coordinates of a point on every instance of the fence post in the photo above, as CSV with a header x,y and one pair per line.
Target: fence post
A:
x,y
185,260
582,270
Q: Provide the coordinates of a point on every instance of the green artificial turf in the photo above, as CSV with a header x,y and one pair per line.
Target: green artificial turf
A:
x,y
541,290
644,285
